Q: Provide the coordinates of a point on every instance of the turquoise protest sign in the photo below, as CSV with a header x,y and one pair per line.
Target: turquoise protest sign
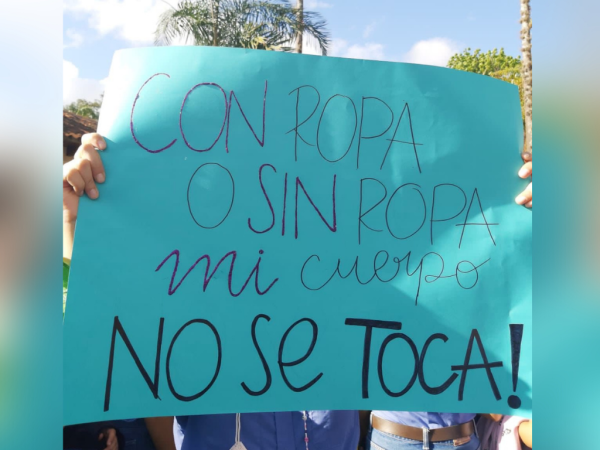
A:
x,y
285,232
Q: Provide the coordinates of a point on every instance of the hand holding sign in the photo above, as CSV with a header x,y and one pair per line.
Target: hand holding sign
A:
x,y
526,197
80,177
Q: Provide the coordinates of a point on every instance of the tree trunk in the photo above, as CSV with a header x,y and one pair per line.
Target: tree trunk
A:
x,y
215,18
526,73
300,6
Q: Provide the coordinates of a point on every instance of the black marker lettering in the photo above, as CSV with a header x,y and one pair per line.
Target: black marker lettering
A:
x,y
189,398
283,365
485,222
262,359
468,366
429,389
152,384
299,124
369,325
415,352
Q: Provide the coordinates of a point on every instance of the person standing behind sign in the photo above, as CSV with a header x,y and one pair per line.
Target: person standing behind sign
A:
x,y
397,430
294,430
297,430
498,432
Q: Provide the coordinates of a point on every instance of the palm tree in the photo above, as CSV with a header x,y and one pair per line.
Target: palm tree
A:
x,y
526,72
300,9
258,24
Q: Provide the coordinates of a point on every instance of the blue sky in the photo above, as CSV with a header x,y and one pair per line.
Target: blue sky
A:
x,y
426,32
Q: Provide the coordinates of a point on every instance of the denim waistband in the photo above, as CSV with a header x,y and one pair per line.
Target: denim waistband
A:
x,y
385,441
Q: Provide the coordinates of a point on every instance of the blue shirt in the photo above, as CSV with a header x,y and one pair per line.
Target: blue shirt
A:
x,y
425,419
327,430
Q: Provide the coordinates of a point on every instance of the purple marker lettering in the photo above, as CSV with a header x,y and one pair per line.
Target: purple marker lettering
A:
x,y
260,142
268,200
333,227
181,117
131,121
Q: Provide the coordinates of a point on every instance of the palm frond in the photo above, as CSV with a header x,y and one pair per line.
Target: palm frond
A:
x,y
188,20
255,24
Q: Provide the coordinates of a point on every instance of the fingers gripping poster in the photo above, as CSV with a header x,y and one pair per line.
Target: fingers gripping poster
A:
x,y
284,232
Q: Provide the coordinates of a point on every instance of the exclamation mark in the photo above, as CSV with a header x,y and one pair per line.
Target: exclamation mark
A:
x,y
516,336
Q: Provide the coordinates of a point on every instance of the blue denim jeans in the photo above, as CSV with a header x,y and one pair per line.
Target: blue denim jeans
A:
x,y
384,441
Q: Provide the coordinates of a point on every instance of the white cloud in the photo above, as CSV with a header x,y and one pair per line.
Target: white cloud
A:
x,y
132,20
370,50
75,88
337,47
73,39
310,46
433,52
371,27
314,4
366,51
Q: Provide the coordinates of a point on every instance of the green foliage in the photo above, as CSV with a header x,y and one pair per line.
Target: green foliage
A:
x,y
85,108
493,63
264,25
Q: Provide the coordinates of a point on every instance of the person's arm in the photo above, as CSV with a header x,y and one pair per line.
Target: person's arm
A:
x,y
68,237
364,418
80,177
110,434
525,433
161,432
